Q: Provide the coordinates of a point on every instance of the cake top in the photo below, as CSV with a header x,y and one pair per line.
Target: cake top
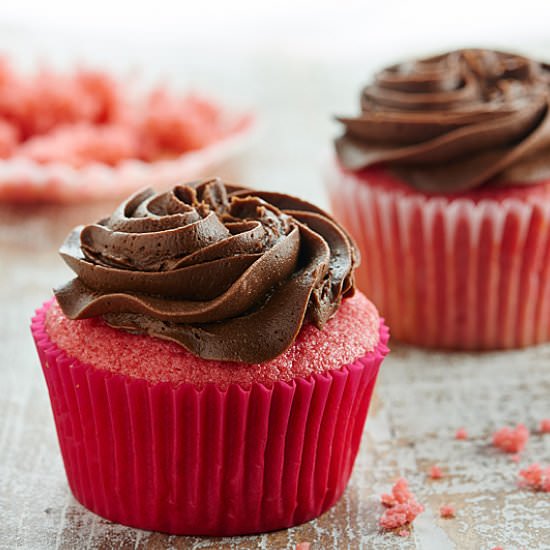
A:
x,y
229,273
454,122
352,333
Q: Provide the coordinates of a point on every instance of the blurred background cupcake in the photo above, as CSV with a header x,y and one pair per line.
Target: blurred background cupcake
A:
x,y
444,180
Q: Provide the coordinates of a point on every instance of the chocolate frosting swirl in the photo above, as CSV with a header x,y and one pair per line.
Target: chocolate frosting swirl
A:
x,y
455,121
229,273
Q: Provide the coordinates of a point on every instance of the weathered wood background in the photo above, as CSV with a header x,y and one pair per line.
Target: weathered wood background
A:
x,y
421,397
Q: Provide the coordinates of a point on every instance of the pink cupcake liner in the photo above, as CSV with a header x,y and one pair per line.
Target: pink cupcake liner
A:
x,y
450,273
24,180
183,460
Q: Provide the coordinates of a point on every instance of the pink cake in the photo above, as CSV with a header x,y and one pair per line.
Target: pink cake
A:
x,y
64,137
352,333
444,181
511,440
210,368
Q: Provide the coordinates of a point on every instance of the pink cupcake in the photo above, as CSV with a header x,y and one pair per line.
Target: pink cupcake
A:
x,y
444,181
210,367
86,135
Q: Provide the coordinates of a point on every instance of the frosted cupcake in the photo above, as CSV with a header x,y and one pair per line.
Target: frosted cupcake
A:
x,y
444,181
210,367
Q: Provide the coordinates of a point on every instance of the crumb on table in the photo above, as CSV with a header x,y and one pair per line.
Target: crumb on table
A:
x,y
402,508
511,440
461,434
447,511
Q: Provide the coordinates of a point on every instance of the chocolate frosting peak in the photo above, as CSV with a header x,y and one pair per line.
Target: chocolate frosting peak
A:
x,y
455,121
228,273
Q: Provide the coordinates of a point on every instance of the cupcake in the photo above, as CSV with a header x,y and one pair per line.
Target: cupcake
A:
x,y
210,367
444,181
83,135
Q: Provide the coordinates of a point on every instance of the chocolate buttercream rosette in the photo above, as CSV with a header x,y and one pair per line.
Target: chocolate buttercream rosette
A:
x,y
229,273
454,122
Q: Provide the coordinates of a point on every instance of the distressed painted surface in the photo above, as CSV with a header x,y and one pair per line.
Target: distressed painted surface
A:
x,y
421,399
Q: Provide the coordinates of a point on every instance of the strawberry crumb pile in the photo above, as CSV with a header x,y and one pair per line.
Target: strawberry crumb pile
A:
x,y
511,440
402,509
401,504
447,511
536,478
88,116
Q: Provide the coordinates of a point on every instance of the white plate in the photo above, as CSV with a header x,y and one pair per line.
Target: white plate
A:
x,y
25,181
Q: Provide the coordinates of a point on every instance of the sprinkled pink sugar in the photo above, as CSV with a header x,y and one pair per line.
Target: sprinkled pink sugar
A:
x,y
303,546
461,433
352,333
435,472
544,426
447,511
402,508
511,440
536,478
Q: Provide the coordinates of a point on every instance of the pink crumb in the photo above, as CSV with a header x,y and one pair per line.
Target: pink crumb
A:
x,y
401,491
388,500
544,426
515,458
404,510
303,546
88,116
461,433
173,124
401,515
535,477
447,511
79,144
9,137
404,533
511,440
497,548
350,335
435,472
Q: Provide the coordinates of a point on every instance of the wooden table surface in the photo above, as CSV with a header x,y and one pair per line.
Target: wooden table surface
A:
x,y
420,400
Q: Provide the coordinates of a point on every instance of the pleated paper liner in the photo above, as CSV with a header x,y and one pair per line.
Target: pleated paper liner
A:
x,y
183,460
450,273
26,181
